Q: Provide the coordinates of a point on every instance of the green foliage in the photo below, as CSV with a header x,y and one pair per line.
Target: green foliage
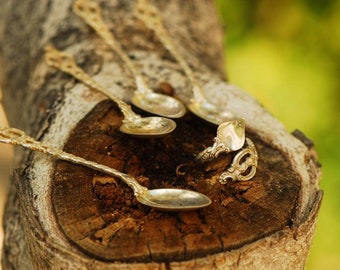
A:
x,y
287,54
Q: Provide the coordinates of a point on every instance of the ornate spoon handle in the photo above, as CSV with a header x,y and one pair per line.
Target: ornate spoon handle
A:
x,y
151,17
90,12
66,63
18,137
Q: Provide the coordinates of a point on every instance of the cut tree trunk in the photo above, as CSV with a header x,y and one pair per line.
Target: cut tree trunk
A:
x,y
64,216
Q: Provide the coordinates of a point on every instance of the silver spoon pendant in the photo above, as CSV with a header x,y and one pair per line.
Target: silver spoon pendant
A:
x,y
168,199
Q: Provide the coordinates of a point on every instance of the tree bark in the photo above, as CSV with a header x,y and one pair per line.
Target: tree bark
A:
x,y
62,216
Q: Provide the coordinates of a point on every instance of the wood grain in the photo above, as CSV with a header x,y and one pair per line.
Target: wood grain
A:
x,y
106,222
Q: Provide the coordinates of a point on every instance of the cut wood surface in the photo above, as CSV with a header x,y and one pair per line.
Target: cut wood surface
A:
x,y
106,221
64,216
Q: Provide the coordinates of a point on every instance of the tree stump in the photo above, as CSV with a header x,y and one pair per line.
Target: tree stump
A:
x,y
64,216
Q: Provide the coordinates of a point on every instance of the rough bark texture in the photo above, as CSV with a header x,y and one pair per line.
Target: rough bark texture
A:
x,y
62,216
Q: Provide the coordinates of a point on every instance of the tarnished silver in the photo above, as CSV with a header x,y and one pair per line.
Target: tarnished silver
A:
x,y
143,97
132,123
198,104
230,137
243,166
167,199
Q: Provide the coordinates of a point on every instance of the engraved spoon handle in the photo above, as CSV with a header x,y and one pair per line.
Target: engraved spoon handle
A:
x,y
90,12
151,17
66,63
18,137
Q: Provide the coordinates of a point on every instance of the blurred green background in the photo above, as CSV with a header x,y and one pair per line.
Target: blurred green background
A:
x,y
287,54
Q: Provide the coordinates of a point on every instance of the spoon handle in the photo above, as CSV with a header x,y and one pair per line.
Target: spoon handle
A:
x,y
18,137
151,17
90,12
66,63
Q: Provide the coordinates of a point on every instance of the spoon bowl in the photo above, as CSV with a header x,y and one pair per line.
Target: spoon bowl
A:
x,y
148,127
167,199
159,104
209,112
232,134
172,199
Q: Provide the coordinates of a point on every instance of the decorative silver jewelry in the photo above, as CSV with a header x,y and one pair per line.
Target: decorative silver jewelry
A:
x,y
243,166
230,137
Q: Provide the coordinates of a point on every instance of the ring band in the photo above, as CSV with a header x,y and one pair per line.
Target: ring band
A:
x,y
242,171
